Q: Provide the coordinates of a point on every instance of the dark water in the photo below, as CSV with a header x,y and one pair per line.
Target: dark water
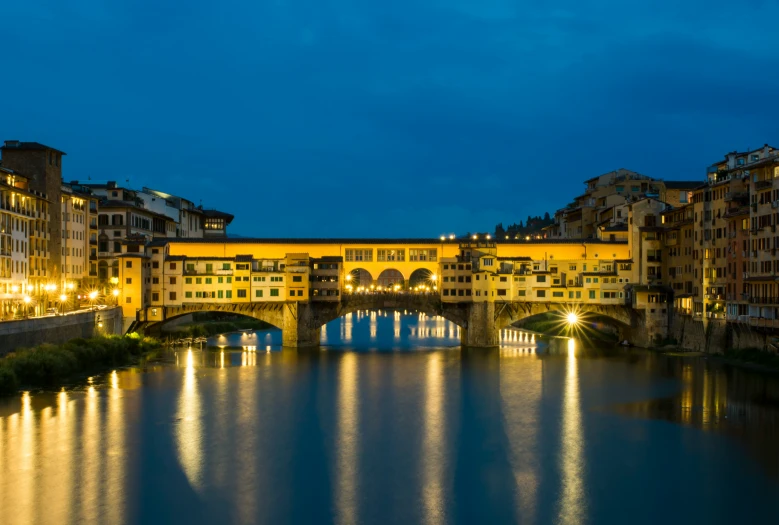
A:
x,y
392,423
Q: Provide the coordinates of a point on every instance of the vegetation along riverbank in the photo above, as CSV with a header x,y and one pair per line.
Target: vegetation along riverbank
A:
x,y
48,366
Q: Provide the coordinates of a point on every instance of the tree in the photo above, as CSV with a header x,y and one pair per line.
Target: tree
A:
x,y
546,216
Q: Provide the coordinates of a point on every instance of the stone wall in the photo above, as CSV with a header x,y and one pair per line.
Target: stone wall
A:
x,y
58,329
718,337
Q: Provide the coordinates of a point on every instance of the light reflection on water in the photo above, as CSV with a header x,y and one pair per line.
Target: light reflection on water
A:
x,y
434,436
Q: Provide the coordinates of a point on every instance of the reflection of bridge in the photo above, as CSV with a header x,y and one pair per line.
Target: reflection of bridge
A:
x,y
480,323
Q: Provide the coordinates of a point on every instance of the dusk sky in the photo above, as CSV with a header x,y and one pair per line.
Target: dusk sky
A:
x,y
396,118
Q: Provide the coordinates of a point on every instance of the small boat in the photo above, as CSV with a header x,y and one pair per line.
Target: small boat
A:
x,y
624,343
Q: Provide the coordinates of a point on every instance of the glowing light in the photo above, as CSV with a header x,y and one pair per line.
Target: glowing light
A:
x,y
443,237
349,277
115,292
451,236
63,297
475,236
27,299
92,296
572,318
433,277
488,237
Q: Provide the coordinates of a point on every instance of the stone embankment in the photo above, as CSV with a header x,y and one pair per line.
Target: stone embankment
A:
x,y
57,329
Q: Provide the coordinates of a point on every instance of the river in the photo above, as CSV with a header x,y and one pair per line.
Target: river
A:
x,y
392,423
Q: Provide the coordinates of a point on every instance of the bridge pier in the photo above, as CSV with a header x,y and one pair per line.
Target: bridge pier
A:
x,y
299,329
483,330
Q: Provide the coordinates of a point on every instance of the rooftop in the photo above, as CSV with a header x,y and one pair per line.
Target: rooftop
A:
x,y
29,146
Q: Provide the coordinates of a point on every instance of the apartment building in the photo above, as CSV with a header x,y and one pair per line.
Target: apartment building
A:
x,y
601,211
24,245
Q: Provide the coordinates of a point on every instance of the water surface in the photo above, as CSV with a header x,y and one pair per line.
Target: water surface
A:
x,y
392,423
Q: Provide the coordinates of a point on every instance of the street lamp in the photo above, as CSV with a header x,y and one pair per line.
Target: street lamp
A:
x,y
71,287
27,300
115,293
63,300
92,297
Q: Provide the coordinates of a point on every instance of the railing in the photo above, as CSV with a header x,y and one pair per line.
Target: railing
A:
x,y
762,322
764,300
763,184
654,258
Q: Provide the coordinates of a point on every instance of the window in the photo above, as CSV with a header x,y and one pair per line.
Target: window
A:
x,y
220,294
155,264
220,280
129,280
172,296
540,293
488,261
521,293
259,279
128,264
209,267
225,266
188,280
557,294
276,279
592,294
129,300
229,280
190,267
198,280
274,292
501,292
297,278
208,280
155,296
228,294
242,293
364,254
172,266
172,280
188,295
540,278
155,280
258,293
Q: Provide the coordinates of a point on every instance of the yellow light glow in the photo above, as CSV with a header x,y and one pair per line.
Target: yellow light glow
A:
x,y
27,299
572,318
488,236
349,277
433,277
92,296
451,236
63,298
443,237
15,289
115,292
475,236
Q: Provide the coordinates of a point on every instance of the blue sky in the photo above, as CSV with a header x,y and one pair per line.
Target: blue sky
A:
x,y
403,118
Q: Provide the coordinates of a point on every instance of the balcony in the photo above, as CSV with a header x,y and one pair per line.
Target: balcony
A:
x,y
763,184
654,258
736,196
764,300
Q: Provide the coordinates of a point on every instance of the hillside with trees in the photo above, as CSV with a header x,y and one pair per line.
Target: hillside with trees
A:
x,y
533,225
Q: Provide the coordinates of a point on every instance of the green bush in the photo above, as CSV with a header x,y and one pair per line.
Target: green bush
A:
x,y
49,365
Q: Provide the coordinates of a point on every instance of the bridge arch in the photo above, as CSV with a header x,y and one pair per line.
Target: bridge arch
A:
x,y
390,277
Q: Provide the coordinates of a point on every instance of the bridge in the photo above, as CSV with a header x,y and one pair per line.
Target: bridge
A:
x,y
481,285
301,322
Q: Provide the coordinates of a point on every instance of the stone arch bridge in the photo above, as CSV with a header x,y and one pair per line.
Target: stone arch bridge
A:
x,y
480,322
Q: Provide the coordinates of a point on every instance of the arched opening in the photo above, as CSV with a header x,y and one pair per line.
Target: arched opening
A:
x,y
390,278
207,323
422,278
358,278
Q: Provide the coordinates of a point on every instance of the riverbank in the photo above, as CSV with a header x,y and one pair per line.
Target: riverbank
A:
x,y
47,366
